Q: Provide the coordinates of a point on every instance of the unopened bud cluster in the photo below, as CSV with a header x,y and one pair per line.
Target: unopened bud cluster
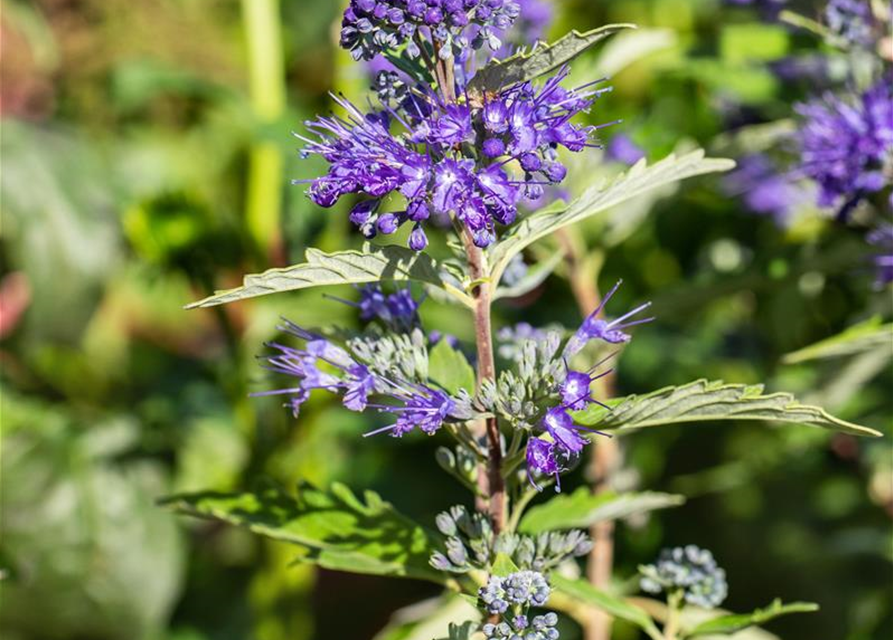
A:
x,y
471,544
691,569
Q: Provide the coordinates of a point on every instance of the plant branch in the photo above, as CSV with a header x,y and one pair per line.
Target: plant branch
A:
x,y
490,478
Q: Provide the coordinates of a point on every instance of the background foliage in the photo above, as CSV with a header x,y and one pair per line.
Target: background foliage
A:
x,y
146,158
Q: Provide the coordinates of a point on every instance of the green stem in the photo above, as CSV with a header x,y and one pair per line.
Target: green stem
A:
x,y
674,612
266,73
518,508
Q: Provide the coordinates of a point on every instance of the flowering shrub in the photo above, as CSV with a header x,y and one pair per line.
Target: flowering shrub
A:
x,y
453,149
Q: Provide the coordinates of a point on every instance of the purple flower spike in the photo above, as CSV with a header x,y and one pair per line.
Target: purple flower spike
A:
x,y
611,332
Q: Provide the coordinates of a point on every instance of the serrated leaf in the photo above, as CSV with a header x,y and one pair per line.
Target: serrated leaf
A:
x,y
449,368
582,509
581,591
865,336
735,622
638,180
542,59
372,264
336,529
534,277
702,401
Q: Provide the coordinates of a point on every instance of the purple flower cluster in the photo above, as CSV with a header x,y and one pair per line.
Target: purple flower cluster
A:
x,y
550,457
372,27
846,146
322,365
474,160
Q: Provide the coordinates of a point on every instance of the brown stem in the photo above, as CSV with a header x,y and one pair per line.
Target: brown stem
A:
x,y
490,480
606,454
445,74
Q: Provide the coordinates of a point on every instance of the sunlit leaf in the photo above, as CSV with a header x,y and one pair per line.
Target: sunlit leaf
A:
x,y
703,401
542,59
632,46
640,179
429,619
582,508
449,368
373,264
735,622
336,529
503,565
581,591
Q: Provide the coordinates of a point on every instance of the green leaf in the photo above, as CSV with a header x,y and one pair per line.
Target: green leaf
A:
x,y
542,59
582,508
702,401
430,618
581,591
503,565
630,47
865,336
640,179
336,529
372,264
735,622
449,368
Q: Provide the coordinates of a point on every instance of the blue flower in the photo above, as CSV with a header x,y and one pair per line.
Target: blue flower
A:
x,y
612,332
542,459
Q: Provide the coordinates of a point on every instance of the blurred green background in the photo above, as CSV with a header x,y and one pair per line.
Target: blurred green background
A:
x,y
146,159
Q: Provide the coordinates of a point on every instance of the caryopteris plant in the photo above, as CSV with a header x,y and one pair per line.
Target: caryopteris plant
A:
x,y
461,150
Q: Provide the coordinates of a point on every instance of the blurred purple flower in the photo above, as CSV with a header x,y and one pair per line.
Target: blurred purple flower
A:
x,y
845,143
763,189
622,149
